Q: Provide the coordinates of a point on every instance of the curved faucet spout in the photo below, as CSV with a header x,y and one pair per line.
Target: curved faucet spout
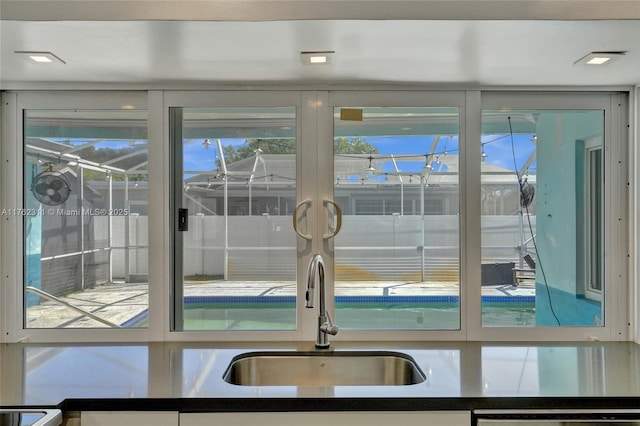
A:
x,y
315,273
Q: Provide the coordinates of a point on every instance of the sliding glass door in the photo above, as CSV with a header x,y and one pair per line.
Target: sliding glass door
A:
x,y
378,199
235,192
85,218
421,229
438,214
543,215
397,259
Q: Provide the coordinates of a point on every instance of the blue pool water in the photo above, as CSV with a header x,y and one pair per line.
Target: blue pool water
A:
x,y
352,312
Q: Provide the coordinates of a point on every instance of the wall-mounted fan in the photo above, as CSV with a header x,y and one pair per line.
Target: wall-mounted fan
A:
x,y
527,192
50,188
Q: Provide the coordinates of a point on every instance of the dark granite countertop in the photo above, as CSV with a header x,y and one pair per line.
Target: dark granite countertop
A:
x,y
187,377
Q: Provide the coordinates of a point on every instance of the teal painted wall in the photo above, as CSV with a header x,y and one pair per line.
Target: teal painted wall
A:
x,y
558,226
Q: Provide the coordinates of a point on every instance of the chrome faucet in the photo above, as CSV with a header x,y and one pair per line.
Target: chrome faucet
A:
x,y
315,272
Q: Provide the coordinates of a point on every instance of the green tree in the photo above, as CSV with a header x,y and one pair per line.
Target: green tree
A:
x,y
267,146
342,145
248,149
354,145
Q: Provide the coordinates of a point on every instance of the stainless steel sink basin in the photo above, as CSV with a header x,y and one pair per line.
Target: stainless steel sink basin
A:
x,y
348,368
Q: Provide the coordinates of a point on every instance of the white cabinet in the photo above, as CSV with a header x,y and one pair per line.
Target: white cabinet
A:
x,y
129,418
314,418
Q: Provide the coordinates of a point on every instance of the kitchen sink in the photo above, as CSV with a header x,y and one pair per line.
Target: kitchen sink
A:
x,y
319,368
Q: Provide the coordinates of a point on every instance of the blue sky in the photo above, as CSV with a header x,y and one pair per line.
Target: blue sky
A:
x,y
500,151
497,147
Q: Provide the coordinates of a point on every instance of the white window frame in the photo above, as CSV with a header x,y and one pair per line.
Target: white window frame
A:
x,y
11,228
215,99
444,99
619,288
591,146
617,306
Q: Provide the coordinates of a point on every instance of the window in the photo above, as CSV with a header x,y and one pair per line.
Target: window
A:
x,y
397,257
464,215
369,207
85,221
235,262
542,237
592,212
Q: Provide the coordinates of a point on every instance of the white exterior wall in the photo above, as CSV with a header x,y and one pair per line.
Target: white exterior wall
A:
x,y
268,242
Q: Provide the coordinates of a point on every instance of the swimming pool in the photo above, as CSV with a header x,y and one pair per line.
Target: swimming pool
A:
x,y
352,312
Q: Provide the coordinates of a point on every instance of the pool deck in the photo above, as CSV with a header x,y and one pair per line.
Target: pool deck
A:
x,y
119,302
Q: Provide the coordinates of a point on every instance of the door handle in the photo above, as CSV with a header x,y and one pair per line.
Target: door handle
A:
x,y
295,219
183,220
326,236
329,235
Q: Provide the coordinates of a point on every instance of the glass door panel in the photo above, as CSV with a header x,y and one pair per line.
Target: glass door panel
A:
x,y
397,261
237,192
85,246
542,218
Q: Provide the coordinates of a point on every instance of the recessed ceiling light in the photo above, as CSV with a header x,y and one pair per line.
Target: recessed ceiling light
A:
x,y
40,57
599,58
316,58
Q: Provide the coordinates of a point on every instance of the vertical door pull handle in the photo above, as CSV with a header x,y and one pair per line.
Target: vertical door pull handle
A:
x,y
295,219
338,224
183,220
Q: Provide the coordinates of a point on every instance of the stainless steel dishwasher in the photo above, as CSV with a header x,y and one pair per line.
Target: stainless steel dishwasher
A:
x,y
565,417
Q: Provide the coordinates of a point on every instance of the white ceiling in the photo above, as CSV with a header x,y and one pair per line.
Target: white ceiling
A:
x,y
165,54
